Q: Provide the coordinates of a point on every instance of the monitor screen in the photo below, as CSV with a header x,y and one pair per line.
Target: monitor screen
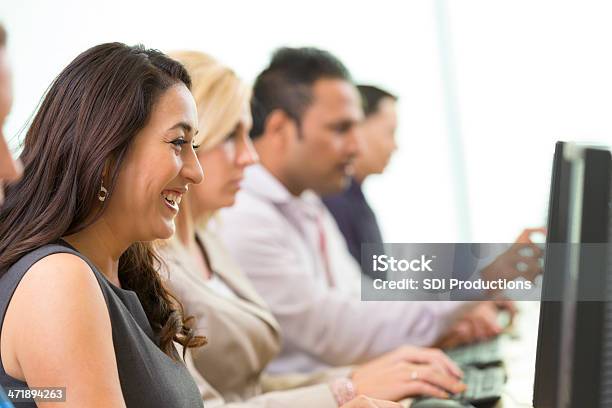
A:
x,y
574,348
549,330
592,334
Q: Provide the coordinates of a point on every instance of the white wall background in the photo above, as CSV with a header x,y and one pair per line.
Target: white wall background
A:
x,y
486,86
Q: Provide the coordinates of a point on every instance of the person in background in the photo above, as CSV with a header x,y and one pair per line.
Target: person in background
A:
x,y
106,159
357,221
243,335
10,169
306,111
350,208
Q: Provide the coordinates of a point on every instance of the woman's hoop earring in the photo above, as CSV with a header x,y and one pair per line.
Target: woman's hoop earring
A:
x,y
102,193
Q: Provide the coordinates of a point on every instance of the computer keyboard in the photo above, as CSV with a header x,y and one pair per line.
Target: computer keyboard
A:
x,y
484,387
483,354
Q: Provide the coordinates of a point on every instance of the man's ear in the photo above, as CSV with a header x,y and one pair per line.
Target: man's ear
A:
x,y
281,127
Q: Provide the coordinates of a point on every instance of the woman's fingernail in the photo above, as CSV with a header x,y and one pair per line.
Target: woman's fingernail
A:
x,y
460,387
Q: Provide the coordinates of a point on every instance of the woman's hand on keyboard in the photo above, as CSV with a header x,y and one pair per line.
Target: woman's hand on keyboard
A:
x,y
393,378
418,355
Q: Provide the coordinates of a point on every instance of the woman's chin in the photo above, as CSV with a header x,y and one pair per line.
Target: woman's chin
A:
x,y
165,231
228,202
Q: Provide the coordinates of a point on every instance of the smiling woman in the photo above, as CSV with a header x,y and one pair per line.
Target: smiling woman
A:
x,y
106,161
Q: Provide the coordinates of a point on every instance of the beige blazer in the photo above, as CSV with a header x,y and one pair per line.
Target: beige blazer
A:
x,y
243,337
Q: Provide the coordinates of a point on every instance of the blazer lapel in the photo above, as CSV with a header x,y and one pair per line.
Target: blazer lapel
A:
x,y
231,274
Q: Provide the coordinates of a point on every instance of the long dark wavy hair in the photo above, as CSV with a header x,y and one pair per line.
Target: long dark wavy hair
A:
x,y
87,120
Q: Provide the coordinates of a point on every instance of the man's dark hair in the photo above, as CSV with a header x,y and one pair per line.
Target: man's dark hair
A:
x,y
371,97
286,83
2,36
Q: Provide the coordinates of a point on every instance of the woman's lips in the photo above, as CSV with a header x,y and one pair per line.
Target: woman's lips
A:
x,y
172,199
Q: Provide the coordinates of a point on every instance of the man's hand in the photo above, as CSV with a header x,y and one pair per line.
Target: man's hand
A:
x,y
507,305
478,324
522,259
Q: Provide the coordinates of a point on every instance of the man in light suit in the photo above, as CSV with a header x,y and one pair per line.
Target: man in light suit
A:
x,y
306,113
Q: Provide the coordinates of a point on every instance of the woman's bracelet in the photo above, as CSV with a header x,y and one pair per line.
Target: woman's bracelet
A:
x,y
343,390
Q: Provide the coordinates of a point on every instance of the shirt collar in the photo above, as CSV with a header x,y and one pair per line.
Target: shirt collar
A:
x,y
259,181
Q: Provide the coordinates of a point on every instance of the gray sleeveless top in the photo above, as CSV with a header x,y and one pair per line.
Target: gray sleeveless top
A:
x,y
149,378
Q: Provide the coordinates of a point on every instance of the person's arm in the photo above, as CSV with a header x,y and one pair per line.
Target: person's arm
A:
x,y
333,326
282,382
58,333
405,372
389,377
365,402
318,395
305,397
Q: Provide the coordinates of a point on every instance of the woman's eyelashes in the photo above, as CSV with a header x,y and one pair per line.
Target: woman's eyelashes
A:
x,y
180,141
232,137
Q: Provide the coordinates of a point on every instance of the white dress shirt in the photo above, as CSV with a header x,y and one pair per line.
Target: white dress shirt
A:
x,y
274,237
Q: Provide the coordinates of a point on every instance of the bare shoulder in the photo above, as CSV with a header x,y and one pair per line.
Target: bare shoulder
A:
x,y
57,288
67,266
60,281
57,285
57,304
57,327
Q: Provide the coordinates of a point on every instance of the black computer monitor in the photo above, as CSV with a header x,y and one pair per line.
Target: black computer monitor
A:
x,y
574,357
590,383
549,331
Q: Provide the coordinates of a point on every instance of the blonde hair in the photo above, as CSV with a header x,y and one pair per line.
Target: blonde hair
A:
x,y
220,97
219,94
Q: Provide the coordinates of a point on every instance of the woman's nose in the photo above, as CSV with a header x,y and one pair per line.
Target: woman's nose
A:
x,y
246,154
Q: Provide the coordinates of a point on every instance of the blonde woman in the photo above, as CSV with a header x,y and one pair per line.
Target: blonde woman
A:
x,y
243,336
